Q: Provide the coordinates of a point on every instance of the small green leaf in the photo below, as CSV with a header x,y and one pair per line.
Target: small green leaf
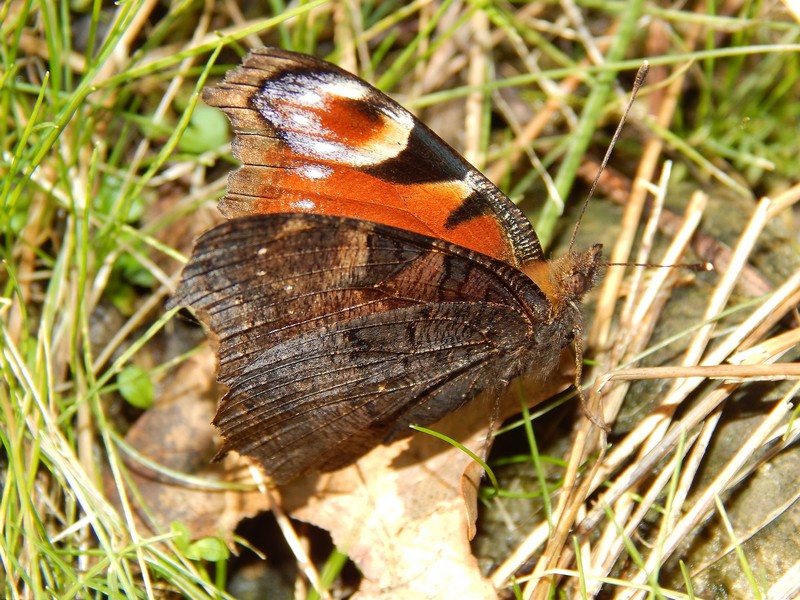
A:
x,y
207,130
136,386
210,548
181,533
134,272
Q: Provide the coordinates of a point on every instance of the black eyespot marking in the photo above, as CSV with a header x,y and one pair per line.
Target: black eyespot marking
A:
x,y
425,159
472,207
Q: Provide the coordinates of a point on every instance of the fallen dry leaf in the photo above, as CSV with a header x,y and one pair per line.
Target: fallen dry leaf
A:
x,y
405,513
177,434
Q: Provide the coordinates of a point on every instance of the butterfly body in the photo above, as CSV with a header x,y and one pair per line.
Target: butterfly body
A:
x,y
368,278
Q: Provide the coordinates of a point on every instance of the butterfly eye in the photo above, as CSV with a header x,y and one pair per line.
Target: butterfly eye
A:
x,y
575,284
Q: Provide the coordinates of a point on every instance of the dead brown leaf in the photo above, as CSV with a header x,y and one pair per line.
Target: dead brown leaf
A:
x,y
177,434
405,513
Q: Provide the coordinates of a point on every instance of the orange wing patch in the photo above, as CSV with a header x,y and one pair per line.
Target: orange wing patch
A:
x,y
315,139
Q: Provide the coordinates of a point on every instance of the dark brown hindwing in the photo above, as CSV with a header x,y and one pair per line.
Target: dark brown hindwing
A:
x,y
335,334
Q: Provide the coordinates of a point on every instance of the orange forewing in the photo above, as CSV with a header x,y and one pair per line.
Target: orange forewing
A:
x,y
420,208
313,138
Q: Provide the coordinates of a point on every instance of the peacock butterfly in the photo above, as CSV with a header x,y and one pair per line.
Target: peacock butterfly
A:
x,y
368,277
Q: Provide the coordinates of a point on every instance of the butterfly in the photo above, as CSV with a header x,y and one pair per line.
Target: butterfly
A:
x,y
368,278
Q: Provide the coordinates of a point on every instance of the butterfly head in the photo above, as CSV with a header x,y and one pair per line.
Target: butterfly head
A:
x,y
566,279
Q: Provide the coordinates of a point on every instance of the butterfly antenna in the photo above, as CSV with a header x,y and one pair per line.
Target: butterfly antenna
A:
x,y
697,267
641,75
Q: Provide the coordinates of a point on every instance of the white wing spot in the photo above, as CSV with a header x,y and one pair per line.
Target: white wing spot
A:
x,y
325,149
302,119
309,98
304,204
314,172
345,89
